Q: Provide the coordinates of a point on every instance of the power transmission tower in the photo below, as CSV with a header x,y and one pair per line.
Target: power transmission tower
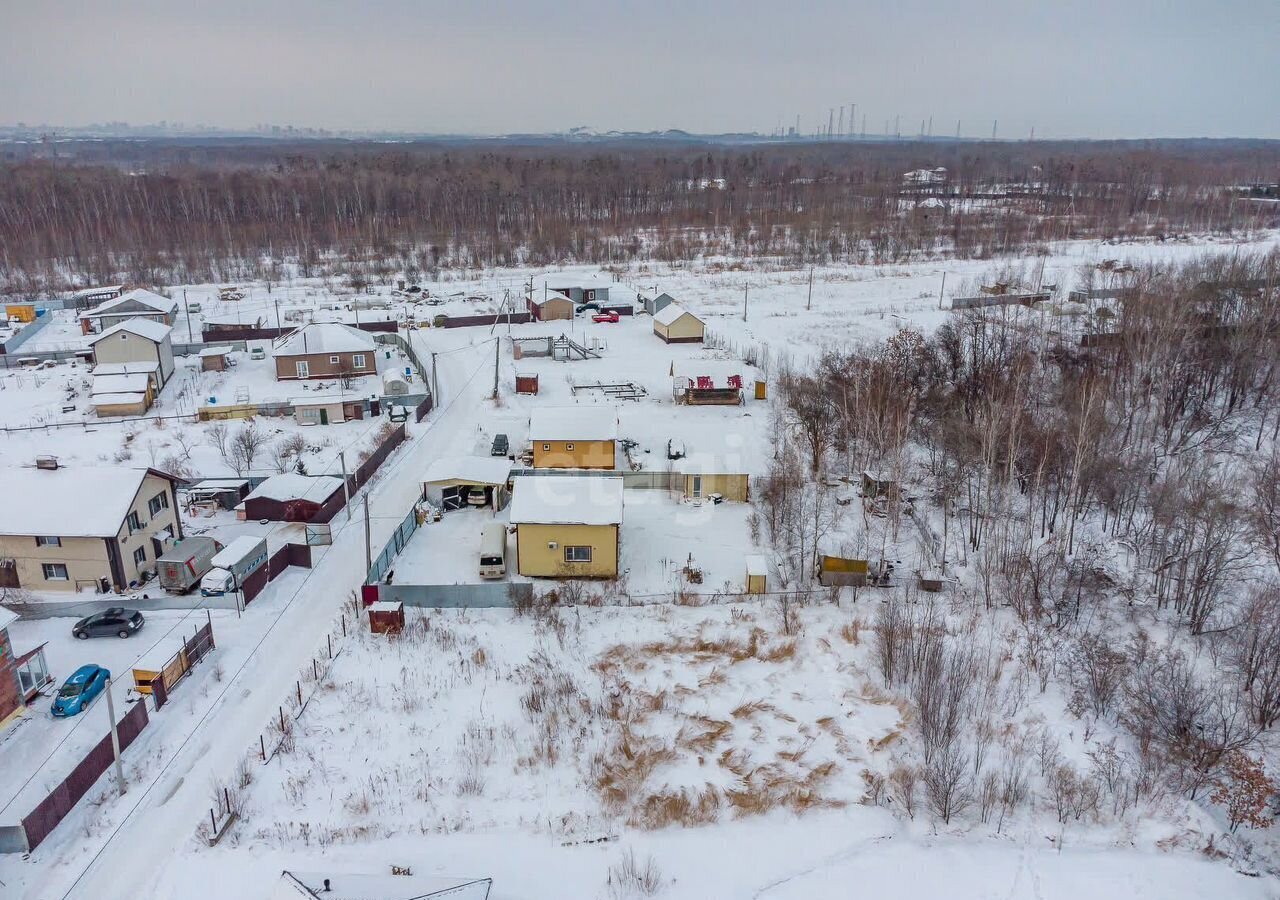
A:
x,y
840,126
831,117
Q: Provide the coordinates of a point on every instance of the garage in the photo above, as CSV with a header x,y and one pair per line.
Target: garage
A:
x,y
467,481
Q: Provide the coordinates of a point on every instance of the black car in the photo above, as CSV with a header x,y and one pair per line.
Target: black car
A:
x,y
117,620
501,447
589,307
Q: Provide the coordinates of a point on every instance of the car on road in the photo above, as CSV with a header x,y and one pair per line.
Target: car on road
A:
x,y
78,691
611,316
501,446
114,621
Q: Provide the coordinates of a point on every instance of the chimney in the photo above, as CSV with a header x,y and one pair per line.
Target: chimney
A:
x,y
47,462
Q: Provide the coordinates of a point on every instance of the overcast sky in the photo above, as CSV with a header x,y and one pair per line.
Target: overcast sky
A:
x,y
1088,68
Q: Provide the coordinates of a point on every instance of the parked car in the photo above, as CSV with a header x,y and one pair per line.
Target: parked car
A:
x,y
476,497
78,691
589,307
501,446
116,621
610,316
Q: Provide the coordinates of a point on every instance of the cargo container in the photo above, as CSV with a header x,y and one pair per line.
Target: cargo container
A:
x,y
182,566
232,565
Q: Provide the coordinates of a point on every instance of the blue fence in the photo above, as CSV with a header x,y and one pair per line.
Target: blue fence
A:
x,y
398,541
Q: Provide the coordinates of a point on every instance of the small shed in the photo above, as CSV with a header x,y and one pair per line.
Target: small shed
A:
x,y
876,485
550,306
757,574
214,359
931,581
842,571
676,325
291,497
655,305
326,409
120,404
386,617
394,384
526,383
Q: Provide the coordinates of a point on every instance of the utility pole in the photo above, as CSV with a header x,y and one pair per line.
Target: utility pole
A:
x,y
809,305
745,287
435,383
368,546
831,117
840,126
497,352
276,301
994,123
853,111
115,737
957,129
941,289
187,310
346,487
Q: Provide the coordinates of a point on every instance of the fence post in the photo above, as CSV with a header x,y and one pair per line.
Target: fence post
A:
x,y
213,821
328,639
281,708
262,747
315,670
298,684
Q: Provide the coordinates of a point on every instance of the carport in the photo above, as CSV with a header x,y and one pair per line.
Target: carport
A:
x,y
450,481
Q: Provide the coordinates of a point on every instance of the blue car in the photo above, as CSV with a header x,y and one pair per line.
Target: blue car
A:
x,y
78,691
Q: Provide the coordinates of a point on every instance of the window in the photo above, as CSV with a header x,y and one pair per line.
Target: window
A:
x,y
335,360
577,554
139,556
158,502
55,571
124,336
357,361
48,541
304,369
135,523
546,448
568,446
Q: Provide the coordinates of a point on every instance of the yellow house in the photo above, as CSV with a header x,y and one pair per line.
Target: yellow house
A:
x,y
76,528
574,437
567,527
676,325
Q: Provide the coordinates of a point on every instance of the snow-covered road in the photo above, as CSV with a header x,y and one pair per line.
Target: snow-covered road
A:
x,y
158,816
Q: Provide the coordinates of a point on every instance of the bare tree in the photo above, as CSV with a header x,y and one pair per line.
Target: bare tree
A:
x,y
245,444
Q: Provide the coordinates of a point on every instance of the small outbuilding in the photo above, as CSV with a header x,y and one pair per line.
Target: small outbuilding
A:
x,y
757,574
291,497
550,306
386,617
457,482
214,359
676,325
655,305
567,527
574,437
326,409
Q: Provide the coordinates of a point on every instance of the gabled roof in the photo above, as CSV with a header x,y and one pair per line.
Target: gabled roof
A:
x,y
292,486
7,617
73,501
566,500
326,337
548,296
475,469
146,298
144,328
136,383
574,423
670,313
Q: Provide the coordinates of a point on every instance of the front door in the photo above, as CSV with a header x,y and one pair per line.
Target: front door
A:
x,y
304,370
697,485
324,416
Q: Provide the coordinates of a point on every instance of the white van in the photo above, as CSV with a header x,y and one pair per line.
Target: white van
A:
x,y
493,551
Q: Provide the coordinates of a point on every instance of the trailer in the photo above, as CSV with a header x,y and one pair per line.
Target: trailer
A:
x,y
232,565
181,568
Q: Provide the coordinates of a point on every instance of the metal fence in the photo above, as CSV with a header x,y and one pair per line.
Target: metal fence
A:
x,y
194,649
54,609
24,334
653,481
491,595
41,821
398,541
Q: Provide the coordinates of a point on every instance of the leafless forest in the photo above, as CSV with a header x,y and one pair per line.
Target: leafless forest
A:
x,y
1119,502
161,214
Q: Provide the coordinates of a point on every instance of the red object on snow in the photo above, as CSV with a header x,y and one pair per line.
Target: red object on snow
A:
x,y
605,317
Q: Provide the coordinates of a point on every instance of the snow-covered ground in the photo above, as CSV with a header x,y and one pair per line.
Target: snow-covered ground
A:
x,y
494,745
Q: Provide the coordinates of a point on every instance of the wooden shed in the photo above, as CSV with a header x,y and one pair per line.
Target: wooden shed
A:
x,y
214,359
386,617
840,570
551,305
757,574
676,325
526,384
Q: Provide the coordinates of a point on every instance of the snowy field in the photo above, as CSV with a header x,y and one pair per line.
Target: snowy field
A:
x,y
737,747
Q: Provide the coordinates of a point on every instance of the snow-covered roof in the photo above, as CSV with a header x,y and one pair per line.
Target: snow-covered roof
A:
x,y
574,423
544,297
7,617
146,328
118,398
235,551
326,337
146,298
126,368
566,500
104,289
345,886
292,486
120,384
73,501
718,370
475,469
670,313
214,351
322,400
757,564
559,281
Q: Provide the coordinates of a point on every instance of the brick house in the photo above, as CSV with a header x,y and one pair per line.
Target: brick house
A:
x,y
325,350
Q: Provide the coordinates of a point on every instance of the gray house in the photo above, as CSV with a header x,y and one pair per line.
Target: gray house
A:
x,y
137,304
578,291
653,305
